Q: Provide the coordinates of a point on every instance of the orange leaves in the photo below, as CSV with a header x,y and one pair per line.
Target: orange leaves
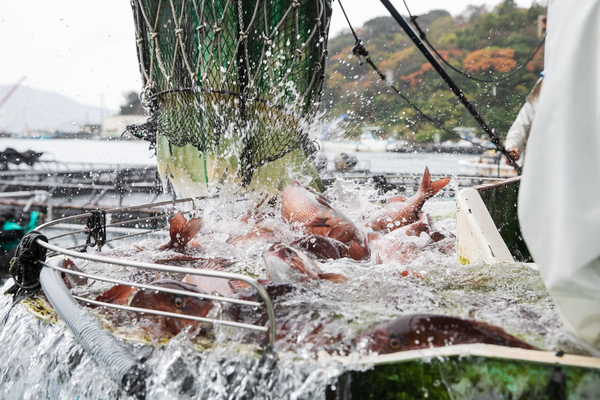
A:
x,y
498,60
537,63
417,77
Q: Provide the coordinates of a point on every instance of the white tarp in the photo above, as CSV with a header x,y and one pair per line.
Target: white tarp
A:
x,y
559,203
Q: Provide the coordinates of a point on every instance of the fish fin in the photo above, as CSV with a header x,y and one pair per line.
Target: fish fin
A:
x,y
439,185
436,236
428,188
324,201
194,280
118,294
320,222
335,278
191,229
358,252
425,186
176,225
396,199
216,264
238,286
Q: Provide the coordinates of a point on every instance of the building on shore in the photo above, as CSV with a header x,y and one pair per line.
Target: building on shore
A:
x,y
114,126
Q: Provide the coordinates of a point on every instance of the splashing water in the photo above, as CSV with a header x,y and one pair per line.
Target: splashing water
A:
x,y
42,360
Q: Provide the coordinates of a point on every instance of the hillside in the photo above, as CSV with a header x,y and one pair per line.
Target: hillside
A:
x,y
483,44
36,109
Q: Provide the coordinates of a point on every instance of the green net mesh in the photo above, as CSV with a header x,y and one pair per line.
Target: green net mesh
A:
x,y
232,78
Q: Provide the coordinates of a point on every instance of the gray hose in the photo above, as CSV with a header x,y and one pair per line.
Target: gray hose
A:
x,y
98,342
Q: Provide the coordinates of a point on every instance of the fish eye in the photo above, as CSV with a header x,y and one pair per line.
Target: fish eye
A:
x,y
394,343
179,303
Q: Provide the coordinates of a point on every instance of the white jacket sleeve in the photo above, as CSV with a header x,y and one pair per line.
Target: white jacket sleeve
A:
x,y
517,135
559,199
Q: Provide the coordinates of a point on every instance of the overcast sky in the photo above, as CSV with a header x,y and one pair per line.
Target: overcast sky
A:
x,y
86,50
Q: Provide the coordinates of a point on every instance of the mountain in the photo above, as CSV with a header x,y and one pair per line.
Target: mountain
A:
x,y
494,50
35,109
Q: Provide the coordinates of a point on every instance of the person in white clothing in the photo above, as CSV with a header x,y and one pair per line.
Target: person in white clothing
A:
x,y
518,134
559,197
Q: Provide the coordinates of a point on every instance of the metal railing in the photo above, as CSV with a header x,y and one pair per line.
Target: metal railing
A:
x,y
122,233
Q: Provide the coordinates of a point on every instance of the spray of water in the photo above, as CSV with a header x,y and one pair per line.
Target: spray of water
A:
x,y
316,317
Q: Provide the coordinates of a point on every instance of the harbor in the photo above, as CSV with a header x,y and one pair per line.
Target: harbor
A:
x,y
301,200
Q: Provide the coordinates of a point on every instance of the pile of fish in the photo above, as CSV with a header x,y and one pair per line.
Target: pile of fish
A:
x,y
326,273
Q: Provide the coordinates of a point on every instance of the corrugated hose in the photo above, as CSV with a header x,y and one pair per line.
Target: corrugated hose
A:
x,y
98,342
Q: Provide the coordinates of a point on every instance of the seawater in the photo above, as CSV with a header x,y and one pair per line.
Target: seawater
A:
x,y
137,152
316,318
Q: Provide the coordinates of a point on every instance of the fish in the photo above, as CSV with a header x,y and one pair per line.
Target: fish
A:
x,y
322,247
161,326
256,234
295,324
400,211
317,216
182,231
209,284
72,280
419,331
286,264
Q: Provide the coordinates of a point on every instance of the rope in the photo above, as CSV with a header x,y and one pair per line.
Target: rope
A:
x,y
25,268
96,225
423,37
359,51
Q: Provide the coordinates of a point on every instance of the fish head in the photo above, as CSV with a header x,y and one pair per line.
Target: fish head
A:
x,y
173,303
317,215
388,337
286,264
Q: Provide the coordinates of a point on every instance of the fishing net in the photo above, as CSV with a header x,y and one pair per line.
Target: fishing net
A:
x,y
235,79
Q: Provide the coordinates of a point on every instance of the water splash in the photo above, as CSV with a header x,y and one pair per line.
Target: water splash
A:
x,y
43,360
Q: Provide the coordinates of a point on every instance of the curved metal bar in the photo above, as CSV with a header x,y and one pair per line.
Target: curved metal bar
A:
x,y
61,220
115,210
79,246
166,268
169,314
154,287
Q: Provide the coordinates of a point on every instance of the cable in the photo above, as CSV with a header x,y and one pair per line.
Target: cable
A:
x,y
359,51
423,37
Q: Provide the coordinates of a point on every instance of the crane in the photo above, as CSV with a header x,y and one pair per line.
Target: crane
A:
x,y
11,91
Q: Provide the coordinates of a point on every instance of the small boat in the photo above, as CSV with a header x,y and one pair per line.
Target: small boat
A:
x,y
371,139
488,164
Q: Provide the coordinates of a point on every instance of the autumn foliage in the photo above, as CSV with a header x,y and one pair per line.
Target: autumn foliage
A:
x,y
417,76
485,43
497,60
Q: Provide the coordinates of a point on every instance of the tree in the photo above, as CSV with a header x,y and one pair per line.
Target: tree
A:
x,y
132,105
484,44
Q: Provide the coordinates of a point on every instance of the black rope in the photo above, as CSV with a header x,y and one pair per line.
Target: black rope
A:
x,y
423,36
25,266
96,225
359,51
